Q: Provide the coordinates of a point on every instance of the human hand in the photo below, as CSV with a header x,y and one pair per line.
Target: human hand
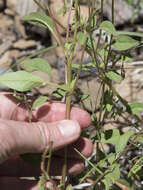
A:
x,y
17,136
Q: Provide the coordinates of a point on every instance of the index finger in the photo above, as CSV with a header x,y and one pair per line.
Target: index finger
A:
x,y
11,108
55,111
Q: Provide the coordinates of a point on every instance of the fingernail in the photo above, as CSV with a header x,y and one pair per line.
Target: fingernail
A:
x,y
69,128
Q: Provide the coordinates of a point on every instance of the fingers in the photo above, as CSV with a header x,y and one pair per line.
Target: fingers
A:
x,y
7,183
19,168
11,108
50,112
16,166
15,183
83,145
22,137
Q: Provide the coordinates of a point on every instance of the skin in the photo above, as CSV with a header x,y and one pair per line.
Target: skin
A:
x,y
18,136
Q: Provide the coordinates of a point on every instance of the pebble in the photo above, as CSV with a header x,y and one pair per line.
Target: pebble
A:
x,y
24,44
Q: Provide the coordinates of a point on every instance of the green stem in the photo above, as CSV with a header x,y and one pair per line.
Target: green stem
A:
x,y
100,32
68,96
109,51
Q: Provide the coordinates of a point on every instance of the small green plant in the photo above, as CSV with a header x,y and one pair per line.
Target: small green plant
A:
x,y
103,168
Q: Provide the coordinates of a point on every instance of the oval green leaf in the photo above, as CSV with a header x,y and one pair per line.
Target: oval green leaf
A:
x,y
122,141
123,43
114,76
20,81
108,27
82,38
136,107
37,64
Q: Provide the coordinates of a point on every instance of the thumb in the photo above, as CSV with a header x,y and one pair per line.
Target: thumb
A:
x,y
21,137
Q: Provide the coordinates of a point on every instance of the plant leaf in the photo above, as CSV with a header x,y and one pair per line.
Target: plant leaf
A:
x,y
114,76
39,101
69,187
140,139
42,20
124,43
110,136
122,141
37,64
85,96
39,19
81,38
20,81
112,176
137,34
138,165
106,183
136,107
108,27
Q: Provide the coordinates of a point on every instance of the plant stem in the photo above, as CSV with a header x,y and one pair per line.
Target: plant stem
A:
x,y
68,96
100,32
40,6
110,43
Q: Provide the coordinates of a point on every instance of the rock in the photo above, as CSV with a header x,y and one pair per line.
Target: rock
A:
x,y
27,6
5,23
4,69
48,89
131,87
5,46
9,12
24,44
5,60
14,53
123,12
12,4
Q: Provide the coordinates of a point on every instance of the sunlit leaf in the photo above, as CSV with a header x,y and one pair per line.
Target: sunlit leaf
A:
x,y
108,27
111,158
138,165
111,176
122,141
69,187
110,136
21,80
114,76
124,43
106,183
109,107
136,107
140,139
37,64
81,38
